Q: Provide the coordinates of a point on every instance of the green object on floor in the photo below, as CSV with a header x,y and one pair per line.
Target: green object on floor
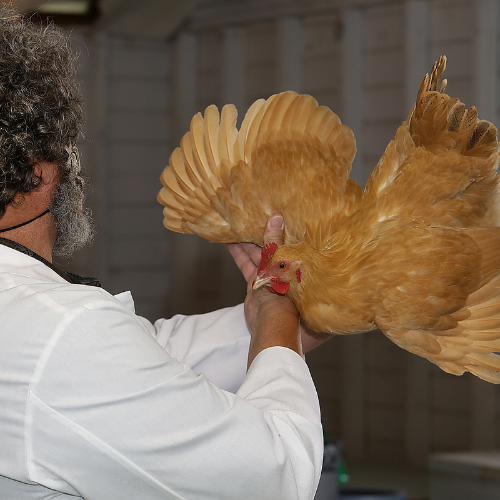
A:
x,y
343,476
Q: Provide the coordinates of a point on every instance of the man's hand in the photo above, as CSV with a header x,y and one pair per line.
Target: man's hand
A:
x,y
247,257
272,319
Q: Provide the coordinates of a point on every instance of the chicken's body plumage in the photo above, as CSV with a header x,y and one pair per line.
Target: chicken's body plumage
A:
x,y
416,253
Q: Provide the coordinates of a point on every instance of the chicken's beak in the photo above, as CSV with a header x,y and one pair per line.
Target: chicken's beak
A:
x,y
258,282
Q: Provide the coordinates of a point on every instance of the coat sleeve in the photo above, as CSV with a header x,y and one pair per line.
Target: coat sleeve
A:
x,y
112,416
215,344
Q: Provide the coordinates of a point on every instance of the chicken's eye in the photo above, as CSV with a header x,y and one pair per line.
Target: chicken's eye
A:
x,y
282,265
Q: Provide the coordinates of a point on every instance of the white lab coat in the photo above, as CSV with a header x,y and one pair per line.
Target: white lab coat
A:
x,y
98,403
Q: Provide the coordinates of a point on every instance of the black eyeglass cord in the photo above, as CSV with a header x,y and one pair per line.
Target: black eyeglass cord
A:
x,y
24,223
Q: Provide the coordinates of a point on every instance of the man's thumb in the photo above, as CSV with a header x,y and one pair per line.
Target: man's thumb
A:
x,y
273,232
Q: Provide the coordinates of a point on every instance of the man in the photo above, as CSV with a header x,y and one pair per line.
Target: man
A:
x,y
96,402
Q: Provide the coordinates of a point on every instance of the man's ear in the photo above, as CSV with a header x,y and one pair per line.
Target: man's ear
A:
x,y
45,176
45,173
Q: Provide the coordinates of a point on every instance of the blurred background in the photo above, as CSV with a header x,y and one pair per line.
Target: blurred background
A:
x,y
146,67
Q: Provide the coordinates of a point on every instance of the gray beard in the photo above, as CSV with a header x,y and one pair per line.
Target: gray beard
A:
x,y
75,224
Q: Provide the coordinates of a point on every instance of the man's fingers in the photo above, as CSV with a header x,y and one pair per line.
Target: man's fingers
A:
x,y
255,253
247,255
273,232
234,249
250,249
243,260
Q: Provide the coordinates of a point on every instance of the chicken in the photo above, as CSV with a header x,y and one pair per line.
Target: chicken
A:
x,y
416,253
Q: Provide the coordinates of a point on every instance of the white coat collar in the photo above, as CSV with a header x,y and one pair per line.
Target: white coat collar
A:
x,y
72,278
15,262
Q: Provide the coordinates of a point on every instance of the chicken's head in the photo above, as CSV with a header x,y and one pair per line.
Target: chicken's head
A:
x,y
275,272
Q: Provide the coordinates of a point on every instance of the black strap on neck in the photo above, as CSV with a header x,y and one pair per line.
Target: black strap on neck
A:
x,y
24,223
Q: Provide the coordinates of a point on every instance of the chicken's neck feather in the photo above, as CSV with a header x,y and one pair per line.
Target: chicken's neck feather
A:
x,y
324,296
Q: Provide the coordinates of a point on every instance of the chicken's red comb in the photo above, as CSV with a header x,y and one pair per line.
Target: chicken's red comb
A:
x,y
267,252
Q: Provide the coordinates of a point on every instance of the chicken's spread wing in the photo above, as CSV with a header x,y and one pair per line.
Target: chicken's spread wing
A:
x,y
439,295
290,156
441,166
433,205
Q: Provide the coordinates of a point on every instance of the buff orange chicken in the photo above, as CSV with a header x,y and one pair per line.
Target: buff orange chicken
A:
x,y
416,253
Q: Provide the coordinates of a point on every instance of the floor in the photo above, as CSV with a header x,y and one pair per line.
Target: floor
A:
x,y
412,482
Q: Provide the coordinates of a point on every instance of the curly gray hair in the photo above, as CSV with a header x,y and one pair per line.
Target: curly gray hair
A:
x,y
41,110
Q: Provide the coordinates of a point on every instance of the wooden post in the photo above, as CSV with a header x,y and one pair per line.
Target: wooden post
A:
x,y
185,80
486,69
185,248
231,285
353,419
485,82
291,50
234,69
417,402
98,164
352,84
417,53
